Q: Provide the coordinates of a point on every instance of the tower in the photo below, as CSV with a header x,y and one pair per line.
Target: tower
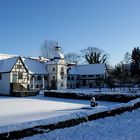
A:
x,y
57,69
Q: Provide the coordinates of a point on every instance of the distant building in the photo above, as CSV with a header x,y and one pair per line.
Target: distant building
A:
x,y
88,75
22,74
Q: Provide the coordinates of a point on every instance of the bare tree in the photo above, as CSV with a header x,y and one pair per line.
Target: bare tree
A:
x,y
72,57
127,58
94,55
48,48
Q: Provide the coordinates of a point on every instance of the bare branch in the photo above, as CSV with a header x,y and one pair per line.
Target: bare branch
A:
x,y
48,48
72,57
94,55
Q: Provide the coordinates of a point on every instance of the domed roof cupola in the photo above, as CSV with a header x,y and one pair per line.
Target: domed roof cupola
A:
x,y
58,55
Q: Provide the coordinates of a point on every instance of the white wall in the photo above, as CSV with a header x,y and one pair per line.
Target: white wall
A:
x,y
5,84
51,73
57,75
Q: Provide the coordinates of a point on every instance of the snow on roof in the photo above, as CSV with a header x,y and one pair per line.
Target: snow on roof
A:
x,y
73,70
59,56
35,66
5,56
89,69
40,58
7,64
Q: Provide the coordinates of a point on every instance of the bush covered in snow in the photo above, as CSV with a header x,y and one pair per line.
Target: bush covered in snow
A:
x,y
115,97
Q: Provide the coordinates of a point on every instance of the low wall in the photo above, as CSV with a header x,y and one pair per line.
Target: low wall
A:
x,y
98,96
24,93
68,123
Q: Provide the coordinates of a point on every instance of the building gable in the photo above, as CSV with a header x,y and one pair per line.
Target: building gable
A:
x,y
19,66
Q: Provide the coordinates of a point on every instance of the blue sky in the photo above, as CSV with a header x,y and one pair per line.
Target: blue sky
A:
x,y
112,25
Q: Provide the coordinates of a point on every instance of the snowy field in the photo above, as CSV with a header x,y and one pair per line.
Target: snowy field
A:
x,y
15,110
122,127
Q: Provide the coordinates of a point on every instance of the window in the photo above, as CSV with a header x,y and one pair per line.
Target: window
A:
x,y
39,77
45,78
19,66
62,73
0,76
31,78
97,76
84,82
62,68
68,85
72,78
20,76
61,84
62,77
68,78
41,86
15,77
53,69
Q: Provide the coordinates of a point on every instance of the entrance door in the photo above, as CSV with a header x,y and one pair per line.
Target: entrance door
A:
x,y
53,85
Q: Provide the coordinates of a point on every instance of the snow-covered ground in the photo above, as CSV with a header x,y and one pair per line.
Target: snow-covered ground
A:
x,y
122,127
15,110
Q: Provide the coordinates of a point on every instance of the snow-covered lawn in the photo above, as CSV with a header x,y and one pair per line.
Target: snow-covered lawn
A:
x,y
123,127
18,110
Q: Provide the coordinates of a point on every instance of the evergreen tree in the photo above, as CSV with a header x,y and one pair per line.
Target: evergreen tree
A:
x,y
135,62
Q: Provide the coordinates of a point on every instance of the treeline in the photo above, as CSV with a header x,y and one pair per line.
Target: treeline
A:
x,y
127,72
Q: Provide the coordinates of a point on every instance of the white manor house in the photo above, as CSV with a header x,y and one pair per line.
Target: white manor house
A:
x,y
29,75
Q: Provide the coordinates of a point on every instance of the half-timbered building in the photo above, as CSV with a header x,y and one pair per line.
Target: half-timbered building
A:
x,y
13,75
